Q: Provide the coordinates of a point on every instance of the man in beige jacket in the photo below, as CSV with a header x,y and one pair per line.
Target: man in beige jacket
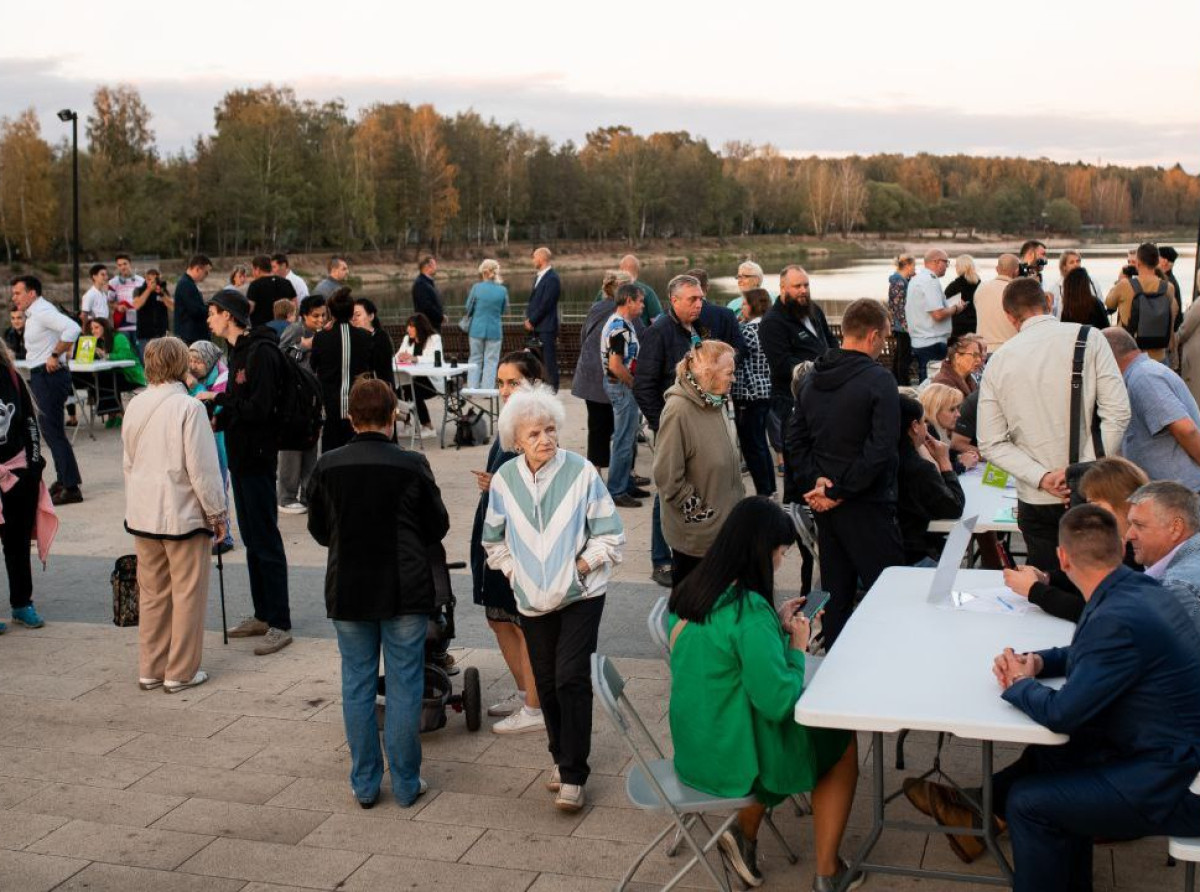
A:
x,y
1121,296
991,323
1025,411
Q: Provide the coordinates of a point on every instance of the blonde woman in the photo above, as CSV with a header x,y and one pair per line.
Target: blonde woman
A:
x,y
174,508
942,405
486,304
964,285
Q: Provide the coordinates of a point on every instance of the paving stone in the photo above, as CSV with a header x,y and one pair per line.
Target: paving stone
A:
x,y
126,691
206,753
246,703
17,789
269,862
122,878
252,682
284,732
486,780
542,851
320,794
258,822
19,829
46,687
529,751
250,787
115,843
300,762
27,872
58,736
101,805
622,824
367,833
76,768
384,873
501,813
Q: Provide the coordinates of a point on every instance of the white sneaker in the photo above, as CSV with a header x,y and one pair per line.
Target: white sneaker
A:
x,y
570,797
520,722
507,706
174,687
555,782
293,508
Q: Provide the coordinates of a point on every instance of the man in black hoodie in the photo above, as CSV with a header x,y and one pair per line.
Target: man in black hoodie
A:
x,y
246,413
843,448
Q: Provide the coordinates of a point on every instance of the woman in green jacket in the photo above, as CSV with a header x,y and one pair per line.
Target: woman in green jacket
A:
x,y
113,345
737,670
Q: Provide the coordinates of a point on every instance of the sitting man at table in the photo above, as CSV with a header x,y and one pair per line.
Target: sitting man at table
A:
x,y
1129,705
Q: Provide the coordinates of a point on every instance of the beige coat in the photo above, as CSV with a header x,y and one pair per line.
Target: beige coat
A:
x,y
990,322
173,485
1188,338
696,470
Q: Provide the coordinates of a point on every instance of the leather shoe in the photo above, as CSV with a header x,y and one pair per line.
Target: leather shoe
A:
x,y
624,500
635,480
952,814
920,792
637,492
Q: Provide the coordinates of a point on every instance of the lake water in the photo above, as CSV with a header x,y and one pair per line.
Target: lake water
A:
x,y
836,280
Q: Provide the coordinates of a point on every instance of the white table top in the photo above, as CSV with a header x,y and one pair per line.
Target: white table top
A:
x,y
902,663
428,370
100,365
984,502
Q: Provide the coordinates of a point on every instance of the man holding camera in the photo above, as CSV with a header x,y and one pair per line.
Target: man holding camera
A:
x,y
152,302
1033,260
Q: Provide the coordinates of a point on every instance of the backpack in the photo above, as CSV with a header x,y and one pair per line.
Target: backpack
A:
x,y
125,591
299,413
470,429
1150,316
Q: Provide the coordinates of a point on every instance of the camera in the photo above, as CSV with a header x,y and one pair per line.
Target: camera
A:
x,y
1025,270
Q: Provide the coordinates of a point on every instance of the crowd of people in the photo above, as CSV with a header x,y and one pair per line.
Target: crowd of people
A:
x,y
1081,398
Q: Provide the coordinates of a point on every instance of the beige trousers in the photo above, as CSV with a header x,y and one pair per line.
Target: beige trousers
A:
x,y
173,582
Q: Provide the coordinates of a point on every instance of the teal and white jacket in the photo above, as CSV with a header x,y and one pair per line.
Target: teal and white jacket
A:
x,y
538,525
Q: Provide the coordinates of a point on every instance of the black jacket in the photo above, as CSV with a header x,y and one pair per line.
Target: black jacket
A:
x,y
191,313
428,300
262,294
378,510
665,343
337,372
846,427
787,342
964,322
248,404
925,494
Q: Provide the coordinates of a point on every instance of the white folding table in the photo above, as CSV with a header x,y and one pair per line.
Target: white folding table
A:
x,y
902,663
983,502
444,373
94,370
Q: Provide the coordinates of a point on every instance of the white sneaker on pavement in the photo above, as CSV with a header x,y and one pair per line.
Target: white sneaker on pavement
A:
x,y
570,797
520,722
507,706
174,687
293,508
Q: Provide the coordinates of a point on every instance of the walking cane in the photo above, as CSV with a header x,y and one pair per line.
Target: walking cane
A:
x,y
221,585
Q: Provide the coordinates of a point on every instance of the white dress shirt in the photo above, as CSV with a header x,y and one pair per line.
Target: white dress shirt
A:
x,y
925,294
44,328
299,284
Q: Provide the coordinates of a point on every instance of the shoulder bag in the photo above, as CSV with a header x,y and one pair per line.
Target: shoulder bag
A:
x,y
1076,468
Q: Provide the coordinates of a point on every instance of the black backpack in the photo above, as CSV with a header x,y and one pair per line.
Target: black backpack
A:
x,y
299,413
1150,316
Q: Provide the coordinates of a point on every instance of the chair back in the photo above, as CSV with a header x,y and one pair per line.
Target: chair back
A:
x,y
657,622
609,689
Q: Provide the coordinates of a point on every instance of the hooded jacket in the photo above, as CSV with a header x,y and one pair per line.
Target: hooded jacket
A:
x,y
696,469
846,427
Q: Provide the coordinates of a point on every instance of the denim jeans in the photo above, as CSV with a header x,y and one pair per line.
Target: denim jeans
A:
x,y
50,391
624,439
266,561
403,641
925,355
485,356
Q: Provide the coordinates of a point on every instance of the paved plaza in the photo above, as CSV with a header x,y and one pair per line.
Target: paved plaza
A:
x,y
241,784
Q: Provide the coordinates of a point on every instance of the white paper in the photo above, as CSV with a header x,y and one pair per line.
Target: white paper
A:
x,y
996,599
954,303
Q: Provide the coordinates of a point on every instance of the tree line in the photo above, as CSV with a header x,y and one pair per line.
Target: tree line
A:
x,y
283,173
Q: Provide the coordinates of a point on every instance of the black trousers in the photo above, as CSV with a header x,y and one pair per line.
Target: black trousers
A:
x,y
1057,800
902,358
1039,527
857,541
422,390
20,510
561,645
600,431
782,406
681,566
258,521
751,420
550,356
50,391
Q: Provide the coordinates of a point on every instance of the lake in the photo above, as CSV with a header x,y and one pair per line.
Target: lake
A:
x,y
836,280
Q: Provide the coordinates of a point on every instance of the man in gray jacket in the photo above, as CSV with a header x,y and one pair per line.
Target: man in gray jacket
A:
x,y
1164,530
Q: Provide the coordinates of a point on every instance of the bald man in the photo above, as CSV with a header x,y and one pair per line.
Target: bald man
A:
x,y
653,307
928,312
991,323
541,316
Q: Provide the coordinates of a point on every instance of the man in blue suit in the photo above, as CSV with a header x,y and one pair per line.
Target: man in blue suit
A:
x,y
1130,705
541,316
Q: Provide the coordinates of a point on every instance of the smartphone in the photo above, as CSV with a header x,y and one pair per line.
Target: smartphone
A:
x,y
815,604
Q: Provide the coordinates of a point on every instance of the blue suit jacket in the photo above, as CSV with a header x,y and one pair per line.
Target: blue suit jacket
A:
x,y
1131,701
543,303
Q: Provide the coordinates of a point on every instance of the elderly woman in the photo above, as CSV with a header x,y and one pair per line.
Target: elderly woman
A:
x,y
487,303
737,670
208,372
906,268
749,275
696,467
964,358
174,507
378,510
552,529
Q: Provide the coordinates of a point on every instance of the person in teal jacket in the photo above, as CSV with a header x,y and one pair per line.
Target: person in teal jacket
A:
x,y
210,373
486,305
737,670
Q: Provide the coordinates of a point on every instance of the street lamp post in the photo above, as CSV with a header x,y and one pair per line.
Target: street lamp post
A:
x,y
67,115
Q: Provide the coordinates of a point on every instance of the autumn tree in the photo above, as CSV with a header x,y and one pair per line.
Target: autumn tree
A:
x,y
27,193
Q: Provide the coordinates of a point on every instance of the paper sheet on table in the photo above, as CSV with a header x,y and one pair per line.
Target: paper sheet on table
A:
x,y
994,599
1006,514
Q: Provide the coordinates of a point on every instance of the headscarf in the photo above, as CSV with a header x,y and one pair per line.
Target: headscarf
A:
x,y
208,353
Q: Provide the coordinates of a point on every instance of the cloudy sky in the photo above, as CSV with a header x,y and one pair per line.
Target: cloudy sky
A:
x,y
1068,80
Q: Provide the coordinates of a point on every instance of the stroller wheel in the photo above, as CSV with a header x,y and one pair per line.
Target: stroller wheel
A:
x,y
472,699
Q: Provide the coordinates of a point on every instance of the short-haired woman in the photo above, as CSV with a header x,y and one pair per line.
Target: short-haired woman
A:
x,y
1109,483
964,357
752,394
552,529
378,510
964,285
487,303
737,670
897,300
696,466
174,507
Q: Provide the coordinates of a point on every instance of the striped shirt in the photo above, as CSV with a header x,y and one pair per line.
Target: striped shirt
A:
x,y
538,525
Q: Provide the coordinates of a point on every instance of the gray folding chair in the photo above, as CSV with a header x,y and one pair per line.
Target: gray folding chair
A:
x,y
653,785
657,622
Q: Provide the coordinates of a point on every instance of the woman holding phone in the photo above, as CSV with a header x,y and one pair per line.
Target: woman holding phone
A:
x,y
737,670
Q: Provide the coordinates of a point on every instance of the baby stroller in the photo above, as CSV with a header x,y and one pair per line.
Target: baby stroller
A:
x,y
439,689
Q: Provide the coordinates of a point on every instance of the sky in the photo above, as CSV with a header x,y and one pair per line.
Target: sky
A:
x,y
1066,79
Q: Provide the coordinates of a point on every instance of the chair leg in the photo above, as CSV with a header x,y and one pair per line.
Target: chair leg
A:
x,y
791,856
642,857
1189,877
803,806
701,855
900,738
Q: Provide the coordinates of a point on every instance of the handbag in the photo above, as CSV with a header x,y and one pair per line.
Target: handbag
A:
x,y
465,322
1076,468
